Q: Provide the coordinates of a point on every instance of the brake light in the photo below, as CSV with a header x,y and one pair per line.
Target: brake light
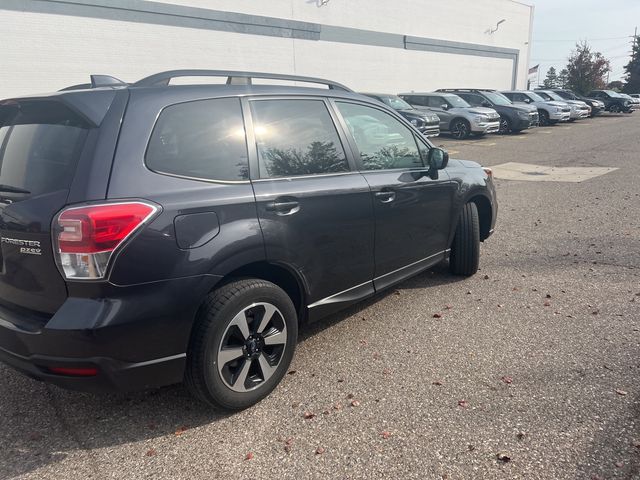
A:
x,y
88,236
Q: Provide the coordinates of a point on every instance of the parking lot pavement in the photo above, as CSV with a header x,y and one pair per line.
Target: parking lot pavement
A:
x,y
531,369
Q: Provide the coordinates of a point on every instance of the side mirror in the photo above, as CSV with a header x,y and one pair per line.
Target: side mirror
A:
x,y
527,100
437,159
444,106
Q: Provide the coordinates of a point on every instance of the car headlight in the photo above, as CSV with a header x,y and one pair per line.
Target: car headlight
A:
x,y
523,114
481,118
558,109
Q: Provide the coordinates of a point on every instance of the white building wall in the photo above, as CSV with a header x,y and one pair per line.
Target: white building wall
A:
x,y
44,51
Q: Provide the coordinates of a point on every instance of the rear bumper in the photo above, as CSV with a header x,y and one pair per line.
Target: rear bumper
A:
x,y
135,338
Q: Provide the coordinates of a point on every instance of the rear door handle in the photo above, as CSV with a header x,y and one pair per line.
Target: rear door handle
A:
x,y
283,206
386,196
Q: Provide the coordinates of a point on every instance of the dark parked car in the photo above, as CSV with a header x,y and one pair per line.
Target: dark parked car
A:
x,y
155,233
613,101
427,123
513,118
597,106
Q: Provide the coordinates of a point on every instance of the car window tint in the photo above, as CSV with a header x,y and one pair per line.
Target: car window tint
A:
x,y
436,102
382,140
296,137
204,139
472,99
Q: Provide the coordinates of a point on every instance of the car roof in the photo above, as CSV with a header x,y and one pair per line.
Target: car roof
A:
x,y
430,94
375,94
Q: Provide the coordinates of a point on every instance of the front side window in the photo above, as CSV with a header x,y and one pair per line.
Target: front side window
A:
x,y
436,102
296,137
456,101
534,97
383,141
204,140
472,99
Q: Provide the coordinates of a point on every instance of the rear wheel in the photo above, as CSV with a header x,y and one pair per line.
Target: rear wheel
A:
x,y
465,250
615,108
242,344
460,129
544,118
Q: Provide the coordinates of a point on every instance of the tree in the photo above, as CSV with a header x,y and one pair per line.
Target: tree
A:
x,y
586,70
563,78
633,69
552,78
616,85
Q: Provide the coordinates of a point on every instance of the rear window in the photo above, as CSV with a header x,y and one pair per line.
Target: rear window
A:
x,y
203,140
40,143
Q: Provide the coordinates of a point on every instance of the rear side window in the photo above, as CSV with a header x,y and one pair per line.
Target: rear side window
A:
x,y
40,144
204,140
296,137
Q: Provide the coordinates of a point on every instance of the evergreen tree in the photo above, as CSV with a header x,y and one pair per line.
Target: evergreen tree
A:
x,y
633,69
552,78
563,78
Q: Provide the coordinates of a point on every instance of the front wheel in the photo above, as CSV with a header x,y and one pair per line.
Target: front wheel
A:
x,y
242,344
460,129
505,125
465,250
544,118
615,109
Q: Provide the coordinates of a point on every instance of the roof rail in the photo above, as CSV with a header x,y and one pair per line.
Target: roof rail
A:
x,y
96,82
233,78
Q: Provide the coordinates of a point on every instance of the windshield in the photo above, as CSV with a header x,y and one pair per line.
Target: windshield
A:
x,y
395,102
567,95
554,96
456,101
535,97
497,98
613,94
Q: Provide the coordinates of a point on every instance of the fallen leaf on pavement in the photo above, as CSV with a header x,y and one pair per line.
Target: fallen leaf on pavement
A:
x,y
355,403
437,315
150,453
621,392
507,379
249,456
463,403
320,450
503,457
385,434
181,430
308,415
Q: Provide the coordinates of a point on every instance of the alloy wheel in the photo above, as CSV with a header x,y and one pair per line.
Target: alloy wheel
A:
x,y
460,130
252,347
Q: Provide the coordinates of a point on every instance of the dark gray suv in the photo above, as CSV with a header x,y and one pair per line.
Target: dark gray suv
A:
x,y
155,233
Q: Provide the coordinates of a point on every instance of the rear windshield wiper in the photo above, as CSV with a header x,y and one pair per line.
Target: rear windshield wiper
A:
x,y
10,189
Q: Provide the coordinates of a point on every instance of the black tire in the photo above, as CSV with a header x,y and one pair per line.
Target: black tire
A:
x,y
543,115
505,125
213,328
615,108
460,129
465,250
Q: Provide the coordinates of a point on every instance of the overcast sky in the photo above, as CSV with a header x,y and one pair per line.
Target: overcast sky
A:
x,y
607,25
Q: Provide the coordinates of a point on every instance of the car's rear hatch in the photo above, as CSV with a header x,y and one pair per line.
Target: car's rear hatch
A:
x,y
43,142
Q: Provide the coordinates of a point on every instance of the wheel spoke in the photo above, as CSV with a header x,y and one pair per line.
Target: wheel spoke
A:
x,y
228,354
269,310
267,369
277,338
240,321
242,376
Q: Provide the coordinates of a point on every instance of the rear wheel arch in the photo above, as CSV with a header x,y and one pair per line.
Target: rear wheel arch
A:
x,y
283,276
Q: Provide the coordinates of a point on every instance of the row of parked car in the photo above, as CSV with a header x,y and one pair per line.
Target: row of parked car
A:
x,y
462,112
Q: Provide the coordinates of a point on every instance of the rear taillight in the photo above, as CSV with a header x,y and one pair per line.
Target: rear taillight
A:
x,y
86,237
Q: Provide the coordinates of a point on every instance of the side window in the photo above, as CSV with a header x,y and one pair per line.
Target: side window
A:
x,y
414,100
383,142
436,102
296,137
519,97
203,139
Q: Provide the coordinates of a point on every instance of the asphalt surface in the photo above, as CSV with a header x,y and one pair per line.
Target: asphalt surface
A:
x,y
532,370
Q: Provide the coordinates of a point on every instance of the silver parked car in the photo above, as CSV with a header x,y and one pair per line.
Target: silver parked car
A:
x,y
457,117
550,112
579,109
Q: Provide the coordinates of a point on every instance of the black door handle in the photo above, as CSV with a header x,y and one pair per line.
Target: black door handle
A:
x,y
283,206
386,196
